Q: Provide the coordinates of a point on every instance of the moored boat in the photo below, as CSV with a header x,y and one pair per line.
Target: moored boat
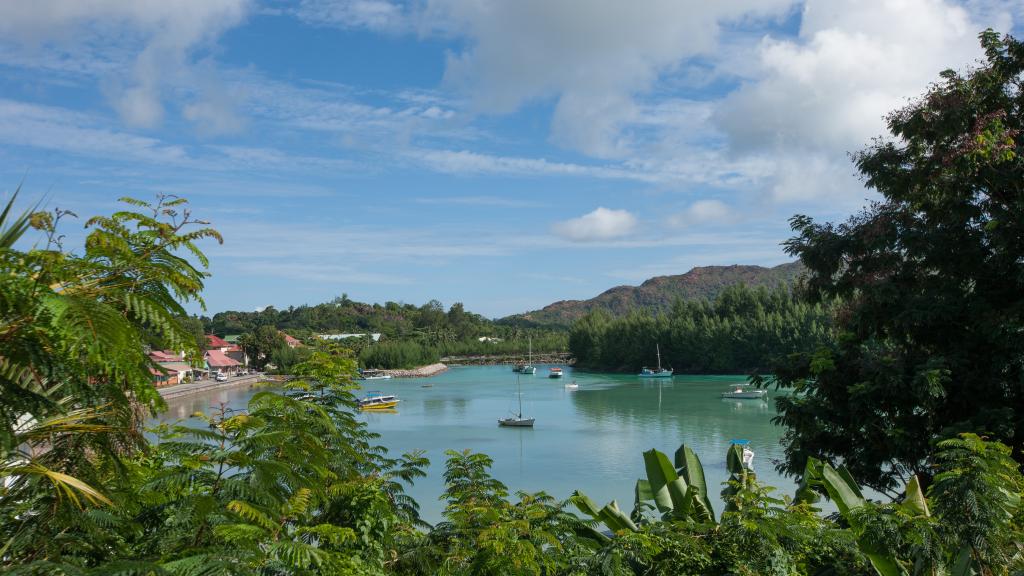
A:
x,y
555,373
378,401
527,368
741,394
517,419
572,386
657,372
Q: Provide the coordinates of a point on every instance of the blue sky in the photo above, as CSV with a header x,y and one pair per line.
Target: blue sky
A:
x,y
501,154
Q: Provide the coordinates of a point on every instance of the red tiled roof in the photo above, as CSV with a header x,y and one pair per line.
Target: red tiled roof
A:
x,y
217,359
291,341
165,356
214,341
234,348
169,372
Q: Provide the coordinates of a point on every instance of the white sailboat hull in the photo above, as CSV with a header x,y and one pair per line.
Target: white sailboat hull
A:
x,y
516,422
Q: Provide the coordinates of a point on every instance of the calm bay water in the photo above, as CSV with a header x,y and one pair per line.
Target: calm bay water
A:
x,y
590,439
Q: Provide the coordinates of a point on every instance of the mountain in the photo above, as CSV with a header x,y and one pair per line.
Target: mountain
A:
x,y
659,292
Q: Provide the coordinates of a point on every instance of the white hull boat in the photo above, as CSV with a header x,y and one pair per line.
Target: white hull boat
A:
x,y
517,420
527,368
741,394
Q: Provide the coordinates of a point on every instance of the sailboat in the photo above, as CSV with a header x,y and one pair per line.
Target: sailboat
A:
x,y
527,368
658,372
518,419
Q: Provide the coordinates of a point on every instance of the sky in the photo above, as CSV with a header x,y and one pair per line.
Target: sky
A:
x,y
503,154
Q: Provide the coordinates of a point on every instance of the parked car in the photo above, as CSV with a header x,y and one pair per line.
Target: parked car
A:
x,y
221,377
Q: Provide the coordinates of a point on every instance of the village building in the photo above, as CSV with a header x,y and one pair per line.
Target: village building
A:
x,y
230,349
375,336
218,362
171,368
291,341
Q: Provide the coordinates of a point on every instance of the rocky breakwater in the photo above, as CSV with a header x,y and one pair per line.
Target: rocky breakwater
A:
x,y
419,372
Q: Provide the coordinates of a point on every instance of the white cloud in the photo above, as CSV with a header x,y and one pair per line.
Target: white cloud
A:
x,y
815,98
468,162
152,39
373,14
702,212
591,56
601,224
52,128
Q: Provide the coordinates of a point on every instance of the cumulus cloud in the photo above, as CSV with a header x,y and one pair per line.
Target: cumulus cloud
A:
x,y
601,224
814,98
592,56
702,212
151,39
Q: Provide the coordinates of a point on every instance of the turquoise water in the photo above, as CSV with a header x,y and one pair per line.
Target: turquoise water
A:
x,y
590,439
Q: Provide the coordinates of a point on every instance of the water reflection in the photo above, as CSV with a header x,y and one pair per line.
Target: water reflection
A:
x,y
589,439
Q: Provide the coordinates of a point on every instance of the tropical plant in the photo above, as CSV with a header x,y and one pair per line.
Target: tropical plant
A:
x,y
756,534
483,533
73,371
930,335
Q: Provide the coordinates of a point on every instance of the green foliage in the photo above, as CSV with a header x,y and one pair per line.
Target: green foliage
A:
x,y
397,355
743,330
757,533
73,371
930,335
483,533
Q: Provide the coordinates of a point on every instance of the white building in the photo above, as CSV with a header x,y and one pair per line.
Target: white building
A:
x,y
375,336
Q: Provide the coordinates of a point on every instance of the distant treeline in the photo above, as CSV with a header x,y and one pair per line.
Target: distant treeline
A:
x,y
412,353
411,335
742,330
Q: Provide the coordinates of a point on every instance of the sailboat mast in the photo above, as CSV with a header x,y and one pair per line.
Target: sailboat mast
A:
x,y
657,347
519,393
529,353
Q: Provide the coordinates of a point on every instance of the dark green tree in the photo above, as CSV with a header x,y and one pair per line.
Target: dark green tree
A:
x,y
930,336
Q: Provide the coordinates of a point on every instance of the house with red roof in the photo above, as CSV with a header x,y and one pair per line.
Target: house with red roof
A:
x,y
214,342
170,369
229,349
291,341
220,362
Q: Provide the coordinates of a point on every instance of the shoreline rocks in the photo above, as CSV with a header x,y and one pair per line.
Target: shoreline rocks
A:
x,y
419,372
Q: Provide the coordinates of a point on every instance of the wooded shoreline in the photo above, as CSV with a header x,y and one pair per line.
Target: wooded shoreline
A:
x,y
565,358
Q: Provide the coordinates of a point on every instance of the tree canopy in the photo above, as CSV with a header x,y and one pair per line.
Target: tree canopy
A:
x,y
930,332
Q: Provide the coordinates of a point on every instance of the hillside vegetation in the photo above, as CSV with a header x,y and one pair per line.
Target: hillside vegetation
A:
x,y
745,329
659,293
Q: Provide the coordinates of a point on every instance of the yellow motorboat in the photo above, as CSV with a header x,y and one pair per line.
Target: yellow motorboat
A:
x,y
378,401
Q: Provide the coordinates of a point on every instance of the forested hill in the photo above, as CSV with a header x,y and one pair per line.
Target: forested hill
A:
x,y
658,293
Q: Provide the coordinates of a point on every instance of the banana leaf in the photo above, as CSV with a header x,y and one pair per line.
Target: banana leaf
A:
x,y
668,488
693,472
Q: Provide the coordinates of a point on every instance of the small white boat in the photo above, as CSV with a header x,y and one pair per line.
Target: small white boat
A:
x,y
742,394
555,373
657,372
572,386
